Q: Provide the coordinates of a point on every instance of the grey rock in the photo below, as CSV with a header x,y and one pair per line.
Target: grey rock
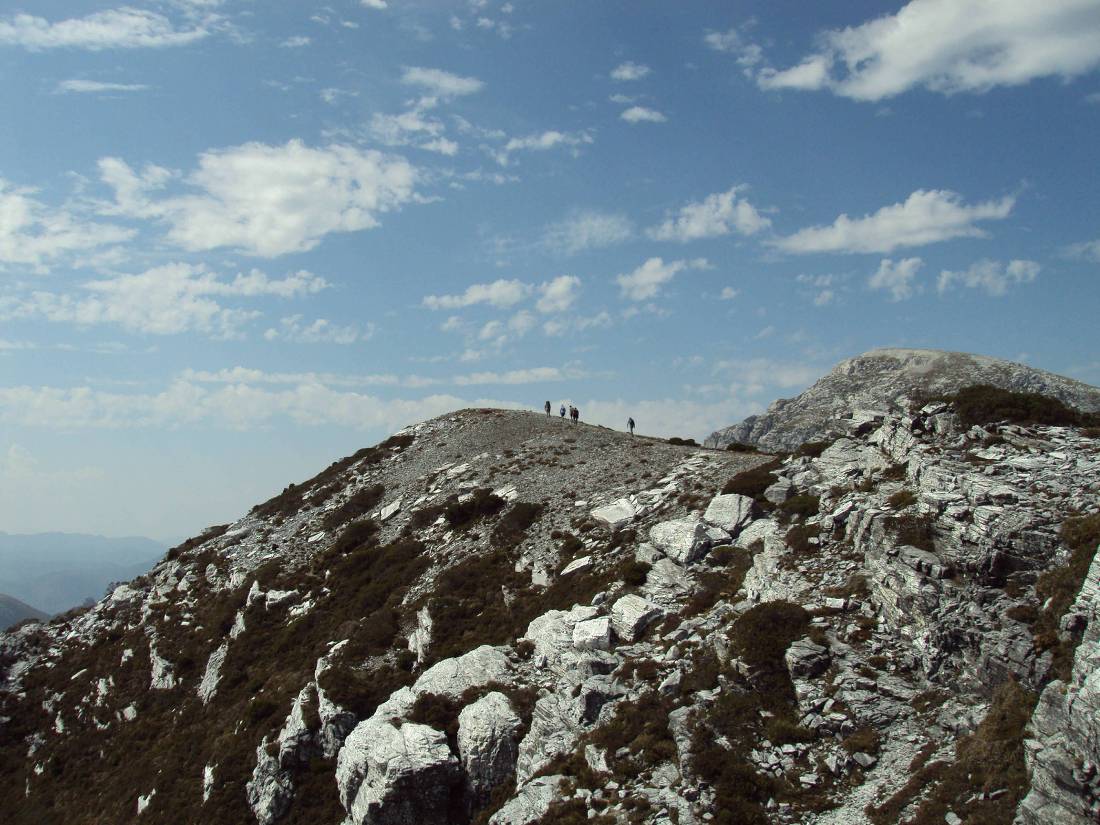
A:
x,y
806,659
729,512
682,540
617,514
530,803
632,614
488,733
395,776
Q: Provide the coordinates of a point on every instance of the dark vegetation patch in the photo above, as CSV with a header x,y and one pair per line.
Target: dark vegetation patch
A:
x,y
990,759
760,637
1058,588
901,499
292,498
738,447
754,482
191,543
463,512
683,442
801,506
512,528
914,530
641,727
359,504
983,404
813,449
798,539
715,585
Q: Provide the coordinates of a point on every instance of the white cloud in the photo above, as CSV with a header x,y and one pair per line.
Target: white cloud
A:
x,y
642,114
558,294
500,293
728,293
897,278
925,217
441,83
716,215
646,281
32,234
94,86
374,4
629,71
992,276
951,46
268,200
563,324
123,28
165,300
399,129
541,142
824,297
531,375
296,42
587,229
1086,250
442,146
332,95
733,42
319,331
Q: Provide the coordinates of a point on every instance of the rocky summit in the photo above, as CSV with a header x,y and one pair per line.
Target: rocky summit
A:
x,y
885,380
497,617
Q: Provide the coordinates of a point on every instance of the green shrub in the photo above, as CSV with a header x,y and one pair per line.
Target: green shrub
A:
x,y
798,538
480,504
683,442
359,504
754,482
803,506
901,499
512,527
738,447
813,449
983,404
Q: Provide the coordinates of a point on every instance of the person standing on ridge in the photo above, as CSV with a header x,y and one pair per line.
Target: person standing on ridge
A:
x,y
630,424
561,412
546,407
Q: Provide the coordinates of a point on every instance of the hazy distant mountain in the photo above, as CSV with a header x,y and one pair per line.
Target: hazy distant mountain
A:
x,y
57,571
877,378
13,611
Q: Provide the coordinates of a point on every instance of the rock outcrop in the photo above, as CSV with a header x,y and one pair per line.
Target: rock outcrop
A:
x,y
861,389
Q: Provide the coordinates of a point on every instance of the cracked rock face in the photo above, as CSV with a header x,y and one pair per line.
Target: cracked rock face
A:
x,y
391,775
487,744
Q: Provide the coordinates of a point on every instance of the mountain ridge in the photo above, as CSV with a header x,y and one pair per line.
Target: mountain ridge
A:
x,y
877,379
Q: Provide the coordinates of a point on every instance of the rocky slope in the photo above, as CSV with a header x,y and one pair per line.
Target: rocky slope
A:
x,y
495,617
875,380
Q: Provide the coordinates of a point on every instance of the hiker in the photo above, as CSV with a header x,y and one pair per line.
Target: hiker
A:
x,y
576,415
546,407
630,423
561,412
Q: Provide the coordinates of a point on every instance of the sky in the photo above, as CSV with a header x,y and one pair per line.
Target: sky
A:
x,y
239,240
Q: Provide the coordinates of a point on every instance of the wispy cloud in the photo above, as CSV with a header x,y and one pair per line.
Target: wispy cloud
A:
x,y
587,229
642,114
647,280
898,278
441,83
95,86
630,71
122,28
993,277
500,293
925,217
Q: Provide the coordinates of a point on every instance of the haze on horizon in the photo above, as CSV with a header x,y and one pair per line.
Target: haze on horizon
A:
x,y
240,240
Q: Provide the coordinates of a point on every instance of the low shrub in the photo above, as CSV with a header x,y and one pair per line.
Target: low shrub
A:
x,y
901,499
738,447
813,449
683,442
359,504
482,503
983,404
754,482
802,506
512,527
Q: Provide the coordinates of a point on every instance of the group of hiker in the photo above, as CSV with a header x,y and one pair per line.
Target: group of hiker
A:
x,y
575,415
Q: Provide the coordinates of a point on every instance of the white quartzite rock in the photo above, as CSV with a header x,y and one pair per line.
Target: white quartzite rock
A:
x,y
682,540
530,804
592,634
617,514
577,566
730,512
488,731
631,615
451,677
395,776
209,684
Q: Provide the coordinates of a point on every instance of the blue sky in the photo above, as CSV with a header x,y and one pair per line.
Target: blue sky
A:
x,y
239,240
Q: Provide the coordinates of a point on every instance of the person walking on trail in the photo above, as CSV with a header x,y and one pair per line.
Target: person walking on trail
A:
x,y
575,414
546,407
561,412
630,423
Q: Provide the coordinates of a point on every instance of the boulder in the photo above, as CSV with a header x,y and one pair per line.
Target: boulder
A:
x,y
451,677
270,790
729,512
592,634
632,614
531,803
617,514
806,659
389,775
488,732
682,540
577,566
779,492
